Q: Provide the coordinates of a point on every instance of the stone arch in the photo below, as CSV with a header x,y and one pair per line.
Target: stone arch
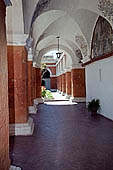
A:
x,y
47,18
46,78
80,38
54,47
31,8
85,49
50,29
49,71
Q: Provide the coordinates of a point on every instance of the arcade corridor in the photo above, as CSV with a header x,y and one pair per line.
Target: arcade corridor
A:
x,y
66,137
72,41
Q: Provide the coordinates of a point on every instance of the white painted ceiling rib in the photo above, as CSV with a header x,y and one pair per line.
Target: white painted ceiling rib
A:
x,y
72,20
60,27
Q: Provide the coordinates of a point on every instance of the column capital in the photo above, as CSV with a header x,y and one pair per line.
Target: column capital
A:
x,y
68,69
76,66
30,55
61,72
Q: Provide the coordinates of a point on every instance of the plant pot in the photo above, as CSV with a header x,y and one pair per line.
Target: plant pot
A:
x,y
94,111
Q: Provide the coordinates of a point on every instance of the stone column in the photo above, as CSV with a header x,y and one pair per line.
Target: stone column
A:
x,y
60,83
30,65
78,84
20,123
68,85
34,83
31,87
38,86
63,85
58,77
4,113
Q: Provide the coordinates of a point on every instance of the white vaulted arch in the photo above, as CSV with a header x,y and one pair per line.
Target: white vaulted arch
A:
x,y
61,27
54,47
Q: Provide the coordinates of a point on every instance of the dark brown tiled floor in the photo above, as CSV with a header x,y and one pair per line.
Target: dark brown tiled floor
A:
x,y
65,138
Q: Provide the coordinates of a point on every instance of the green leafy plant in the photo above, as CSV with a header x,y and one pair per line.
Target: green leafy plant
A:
x,y
94,105
46,93
49,94
43,91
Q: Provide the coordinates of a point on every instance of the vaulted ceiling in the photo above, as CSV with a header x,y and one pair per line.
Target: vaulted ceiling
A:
x,y
72,20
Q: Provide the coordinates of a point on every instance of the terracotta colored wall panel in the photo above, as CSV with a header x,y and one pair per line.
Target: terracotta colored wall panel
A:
x,y
53,70
68,83
53,83
4,114
64,83
61,82
58,83
50,63
78,82
38,83
30,65
33,83
18,91
11,88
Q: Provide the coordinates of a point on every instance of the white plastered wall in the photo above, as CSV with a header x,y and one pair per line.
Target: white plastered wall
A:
x,y
99,84
15,24
14,19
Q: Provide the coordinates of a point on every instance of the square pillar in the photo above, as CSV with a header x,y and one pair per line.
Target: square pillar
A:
x,y
78,85
20,123
53,83
68,85
30,65
60,83
4,111
33,83
38,83
63,84
38,86
31,88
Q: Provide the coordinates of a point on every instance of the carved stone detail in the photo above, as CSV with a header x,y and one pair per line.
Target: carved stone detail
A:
x,y
106,7
79,55
82,44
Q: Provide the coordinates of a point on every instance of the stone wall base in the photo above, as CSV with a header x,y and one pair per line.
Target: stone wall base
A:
x,y
14,168
33,109
36,102
67,96
78,99
40,100
22,129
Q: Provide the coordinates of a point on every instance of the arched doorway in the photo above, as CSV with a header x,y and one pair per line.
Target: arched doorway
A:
x,y
46,79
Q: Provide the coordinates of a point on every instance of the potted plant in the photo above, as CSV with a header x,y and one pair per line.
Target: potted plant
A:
x,y
93,106
43,91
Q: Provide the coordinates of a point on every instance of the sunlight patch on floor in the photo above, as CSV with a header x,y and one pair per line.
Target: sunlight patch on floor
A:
x,y
60,103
